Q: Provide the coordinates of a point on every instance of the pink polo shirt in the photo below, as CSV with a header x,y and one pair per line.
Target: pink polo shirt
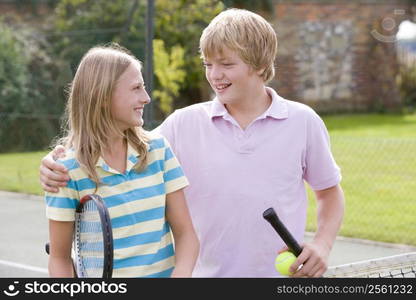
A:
x,y
236,174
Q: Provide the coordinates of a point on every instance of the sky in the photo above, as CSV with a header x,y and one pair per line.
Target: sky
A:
x,y
407,30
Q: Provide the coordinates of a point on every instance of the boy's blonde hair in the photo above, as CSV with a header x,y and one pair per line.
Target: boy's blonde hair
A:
x,y
89,118
245,32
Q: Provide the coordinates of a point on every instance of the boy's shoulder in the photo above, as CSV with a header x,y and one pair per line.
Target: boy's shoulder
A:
x,y
299,110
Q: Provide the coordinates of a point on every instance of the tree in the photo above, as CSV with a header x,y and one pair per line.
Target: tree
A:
x,y
28,99
170,74
81,24
13,71
181,23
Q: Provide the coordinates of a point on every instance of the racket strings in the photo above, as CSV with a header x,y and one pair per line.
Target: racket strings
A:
x,y
89,242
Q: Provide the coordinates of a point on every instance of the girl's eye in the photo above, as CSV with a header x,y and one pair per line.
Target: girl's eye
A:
x,y
206,65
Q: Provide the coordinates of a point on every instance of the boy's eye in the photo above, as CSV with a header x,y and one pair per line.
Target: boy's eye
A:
x,y
205,64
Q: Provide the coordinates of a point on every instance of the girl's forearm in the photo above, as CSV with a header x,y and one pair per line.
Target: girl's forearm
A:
x,y
60,267
186,253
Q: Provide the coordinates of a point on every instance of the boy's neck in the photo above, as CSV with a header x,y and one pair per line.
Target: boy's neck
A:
x,y
249,108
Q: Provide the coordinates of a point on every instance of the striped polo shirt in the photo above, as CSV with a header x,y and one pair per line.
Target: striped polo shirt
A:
x,y
143,245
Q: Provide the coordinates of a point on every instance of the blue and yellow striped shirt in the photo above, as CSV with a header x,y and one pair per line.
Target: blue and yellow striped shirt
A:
x,y
143,245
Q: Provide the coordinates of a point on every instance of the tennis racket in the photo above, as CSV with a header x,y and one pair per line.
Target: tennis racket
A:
x,y
400,265
93,239
92,247
271,216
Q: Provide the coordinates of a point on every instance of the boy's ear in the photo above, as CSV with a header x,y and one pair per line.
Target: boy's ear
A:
x,y
260,71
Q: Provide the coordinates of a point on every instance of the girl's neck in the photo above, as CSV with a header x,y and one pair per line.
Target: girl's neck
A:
x,y
115,154
116,144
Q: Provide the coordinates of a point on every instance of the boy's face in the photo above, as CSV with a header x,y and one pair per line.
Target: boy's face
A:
x,y
230,77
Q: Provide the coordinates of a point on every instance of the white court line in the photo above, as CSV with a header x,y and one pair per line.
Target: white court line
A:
x,y
23,266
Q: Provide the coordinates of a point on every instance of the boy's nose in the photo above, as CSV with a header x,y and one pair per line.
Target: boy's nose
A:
x,y
216,73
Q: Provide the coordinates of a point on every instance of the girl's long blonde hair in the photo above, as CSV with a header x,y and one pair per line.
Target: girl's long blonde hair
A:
x,y
89,118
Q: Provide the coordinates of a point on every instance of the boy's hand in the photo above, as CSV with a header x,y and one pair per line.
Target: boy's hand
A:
x,y
313,259
52,174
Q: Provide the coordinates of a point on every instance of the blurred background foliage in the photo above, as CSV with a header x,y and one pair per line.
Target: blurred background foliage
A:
x,y
38,59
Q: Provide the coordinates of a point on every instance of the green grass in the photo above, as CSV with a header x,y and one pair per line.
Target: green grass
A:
x,y
372,125
376,154
19,172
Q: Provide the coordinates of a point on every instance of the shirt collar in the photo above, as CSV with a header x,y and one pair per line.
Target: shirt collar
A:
x,y
277,109
132,160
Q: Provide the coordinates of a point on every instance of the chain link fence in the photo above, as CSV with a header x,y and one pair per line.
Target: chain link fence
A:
x,y
27,131
379,177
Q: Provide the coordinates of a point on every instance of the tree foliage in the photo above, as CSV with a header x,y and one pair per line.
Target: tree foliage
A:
x,y
170,74
29,98
37,63
406,81
13,72
81,24
181,23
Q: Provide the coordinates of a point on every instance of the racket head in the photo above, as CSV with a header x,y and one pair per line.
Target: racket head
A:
x,y
93,239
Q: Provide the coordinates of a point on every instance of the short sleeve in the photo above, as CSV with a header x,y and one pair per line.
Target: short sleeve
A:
x,y
321,170
173,175
167,129
61,206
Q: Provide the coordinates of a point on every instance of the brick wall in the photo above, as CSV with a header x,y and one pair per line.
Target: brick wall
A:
x,y
26,11
338,55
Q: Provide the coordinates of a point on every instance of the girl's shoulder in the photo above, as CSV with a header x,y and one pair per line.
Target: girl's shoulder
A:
x,y
156,140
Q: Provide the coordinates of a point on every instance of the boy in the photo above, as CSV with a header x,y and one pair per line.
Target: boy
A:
x,y
245,151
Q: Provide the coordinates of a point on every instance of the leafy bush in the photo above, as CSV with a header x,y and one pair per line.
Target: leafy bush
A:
x,y
30,104
13,72
407,85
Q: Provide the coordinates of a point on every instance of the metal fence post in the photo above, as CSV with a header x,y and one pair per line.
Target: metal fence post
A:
x,y
149,111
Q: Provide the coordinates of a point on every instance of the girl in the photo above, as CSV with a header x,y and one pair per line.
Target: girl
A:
x,y
136,173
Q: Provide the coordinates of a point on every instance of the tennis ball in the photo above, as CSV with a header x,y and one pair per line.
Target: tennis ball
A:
x,y
283,262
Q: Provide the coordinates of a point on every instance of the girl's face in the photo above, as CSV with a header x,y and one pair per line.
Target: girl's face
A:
x,y
129,98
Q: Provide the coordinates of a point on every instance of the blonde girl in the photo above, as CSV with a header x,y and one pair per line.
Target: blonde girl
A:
x,y
107,152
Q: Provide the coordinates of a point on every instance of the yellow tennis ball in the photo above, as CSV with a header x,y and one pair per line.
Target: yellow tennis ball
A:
x,y
283,262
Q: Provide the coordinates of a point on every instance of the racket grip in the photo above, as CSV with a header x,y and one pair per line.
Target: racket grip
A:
x,y
271,216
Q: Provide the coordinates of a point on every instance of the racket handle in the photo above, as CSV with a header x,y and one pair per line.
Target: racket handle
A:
x,y
271,216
